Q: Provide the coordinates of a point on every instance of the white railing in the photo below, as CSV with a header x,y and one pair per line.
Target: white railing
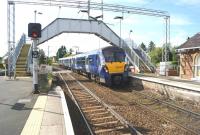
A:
x,y
18,48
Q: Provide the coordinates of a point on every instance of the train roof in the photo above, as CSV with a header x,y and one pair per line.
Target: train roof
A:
x,y
97,51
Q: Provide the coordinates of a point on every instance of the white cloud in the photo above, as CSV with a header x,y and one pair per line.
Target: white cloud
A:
x,y
188,2
178,37
178,20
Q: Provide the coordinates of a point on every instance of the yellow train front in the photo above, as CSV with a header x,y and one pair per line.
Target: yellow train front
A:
x,y
114,68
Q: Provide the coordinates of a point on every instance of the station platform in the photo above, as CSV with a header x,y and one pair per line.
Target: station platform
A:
x,y
172,87
32,114
172,81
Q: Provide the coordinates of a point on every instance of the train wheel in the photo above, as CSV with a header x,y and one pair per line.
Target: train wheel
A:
x,y
89,76
97,79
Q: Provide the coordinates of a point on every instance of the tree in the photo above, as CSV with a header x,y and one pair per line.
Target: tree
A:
x,y
175,57
169,52
151,46
143,46
61,52
42,58
156,55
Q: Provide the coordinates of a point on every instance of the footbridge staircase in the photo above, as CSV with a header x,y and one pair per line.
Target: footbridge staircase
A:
x,y
22,57
136,56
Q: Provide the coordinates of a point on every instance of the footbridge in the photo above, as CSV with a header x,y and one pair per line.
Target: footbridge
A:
x,y
64,25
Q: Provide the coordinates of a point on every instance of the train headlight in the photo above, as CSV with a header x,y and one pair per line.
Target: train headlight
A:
x,y
126,67
105,68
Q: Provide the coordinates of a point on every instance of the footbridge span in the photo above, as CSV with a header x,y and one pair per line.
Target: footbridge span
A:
x,y
64,25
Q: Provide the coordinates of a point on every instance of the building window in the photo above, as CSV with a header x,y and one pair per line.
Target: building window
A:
x,y
197,66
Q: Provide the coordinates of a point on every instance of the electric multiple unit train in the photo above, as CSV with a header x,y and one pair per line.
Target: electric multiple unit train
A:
x,y
106,65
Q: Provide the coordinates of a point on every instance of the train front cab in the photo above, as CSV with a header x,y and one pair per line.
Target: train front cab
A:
x,y
115,68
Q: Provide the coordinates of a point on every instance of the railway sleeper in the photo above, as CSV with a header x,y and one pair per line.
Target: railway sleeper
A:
x,y
98,115
81,91
89,101
106,124
82,95
85,99
92,107
93,110
88,105
103,119
101,131
110,126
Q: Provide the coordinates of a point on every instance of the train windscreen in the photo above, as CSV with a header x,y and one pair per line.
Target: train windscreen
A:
x,y
114,55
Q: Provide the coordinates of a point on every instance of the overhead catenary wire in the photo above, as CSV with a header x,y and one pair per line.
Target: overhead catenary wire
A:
x,y
95,6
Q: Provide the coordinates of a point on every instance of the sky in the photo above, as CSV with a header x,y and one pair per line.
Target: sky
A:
x,y
184,14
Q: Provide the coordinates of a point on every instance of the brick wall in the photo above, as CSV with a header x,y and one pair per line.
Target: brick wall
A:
x,y
187,62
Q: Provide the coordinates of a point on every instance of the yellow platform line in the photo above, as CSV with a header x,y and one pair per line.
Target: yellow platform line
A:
x,y
33,124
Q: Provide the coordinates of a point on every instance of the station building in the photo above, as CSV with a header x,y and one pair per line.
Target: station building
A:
x,y
190,58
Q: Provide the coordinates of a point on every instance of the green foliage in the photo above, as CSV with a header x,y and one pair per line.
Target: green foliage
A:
x,y
1,66
0,59
61,52
171,53
42,59
175,57
156,55
50,76
143,46
49,61
151,46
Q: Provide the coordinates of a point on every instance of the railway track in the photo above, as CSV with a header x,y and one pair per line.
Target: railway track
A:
x,y
183,118
186,119
99,117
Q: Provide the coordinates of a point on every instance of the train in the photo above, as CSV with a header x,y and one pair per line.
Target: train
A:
x,y
105,65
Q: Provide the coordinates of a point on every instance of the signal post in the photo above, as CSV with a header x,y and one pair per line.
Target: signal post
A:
x,y
34,31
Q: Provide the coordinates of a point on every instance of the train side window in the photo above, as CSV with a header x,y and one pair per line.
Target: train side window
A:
x,y
90,60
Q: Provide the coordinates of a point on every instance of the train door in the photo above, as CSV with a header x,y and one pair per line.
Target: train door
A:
x,y
93,64
87,65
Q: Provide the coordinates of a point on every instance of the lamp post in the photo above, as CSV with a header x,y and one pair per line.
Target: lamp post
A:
x,y
130,37
120,19
35,13
85,11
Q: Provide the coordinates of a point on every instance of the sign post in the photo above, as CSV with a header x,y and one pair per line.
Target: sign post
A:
x,y
35,67
34,31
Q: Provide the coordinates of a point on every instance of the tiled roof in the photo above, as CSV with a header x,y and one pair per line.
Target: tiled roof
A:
x,y
193,42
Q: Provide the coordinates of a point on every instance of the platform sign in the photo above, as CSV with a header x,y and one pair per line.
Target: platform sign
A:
x,y
35,54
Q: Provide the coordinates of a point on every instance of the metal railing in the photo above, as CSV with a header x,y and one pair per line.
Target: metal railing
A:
x,y
132,56
18,48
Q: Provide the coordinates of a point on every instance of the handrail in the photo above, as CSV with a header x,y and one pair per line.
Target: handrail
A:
x,y
18,48
146,60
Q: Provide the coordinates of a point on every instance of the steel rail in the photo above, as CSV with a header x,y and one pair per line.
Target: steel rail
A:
x,y
73,98
157,114
119,117
168,119
172,105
